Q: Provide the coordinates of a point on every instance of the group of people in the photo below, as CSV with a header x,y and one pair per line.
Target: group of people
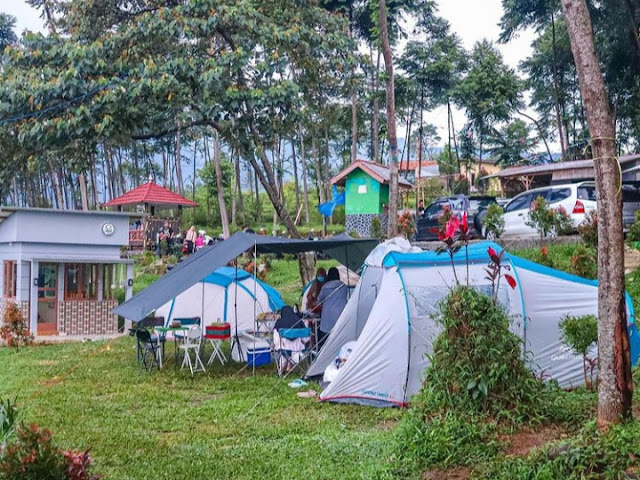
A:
x,y
327,296
194,241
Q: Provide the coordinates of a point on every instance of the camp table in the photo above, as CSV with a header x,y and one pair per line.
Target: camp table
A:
x,y
166,330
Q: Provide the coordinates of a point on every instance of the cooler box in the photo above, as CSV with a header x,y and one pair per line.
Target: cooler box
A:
x,y
218,331
258,357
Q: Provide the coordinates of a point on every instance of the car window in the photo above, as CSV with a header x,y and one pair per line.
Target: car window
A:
x,y
434,208
587,192
558,195
630,194
478,203
518,203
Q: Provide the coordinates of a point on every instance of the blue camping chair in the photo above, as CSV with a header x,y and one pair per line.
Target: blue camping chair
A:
x,y
287,359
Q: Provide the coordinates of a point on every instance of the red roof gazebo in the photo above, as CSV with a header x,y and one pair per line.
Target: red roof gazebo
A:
x,y
153,197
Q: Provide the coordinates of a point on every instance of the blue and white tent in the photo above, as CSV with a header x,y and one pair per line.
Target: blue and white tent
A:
x,y
226,295
387,364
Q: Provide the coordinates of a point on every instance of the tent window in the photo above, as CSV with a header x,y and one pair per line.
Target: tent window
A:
x,y
10,279
81,281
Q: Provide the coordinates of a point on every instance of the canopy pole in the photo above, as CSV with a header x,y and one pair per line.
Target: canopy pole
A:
x,y
202,322
236,338
346,255
255,319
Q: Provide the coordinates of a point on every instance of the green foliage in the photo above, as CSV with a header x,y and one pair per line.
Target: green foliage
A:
x,y
461,186
590,455
493,222
633,234
7,33
8,421
476,387
588,229
584,262
542,257
15,329
511,145
579,332
32,455
547,220
376,228
406,224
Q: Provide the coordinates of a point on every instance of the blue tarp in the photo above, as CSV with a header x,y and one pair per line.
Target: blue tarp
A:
x,y
326,209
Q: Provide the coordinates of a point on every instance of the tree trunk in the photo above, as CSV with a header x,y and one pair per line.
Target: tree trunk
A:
x,y
354,127
615,386
237,198
296,183
179,183
392,230
56,184
224,219
84,198
305,187
318,168
556,87
375,128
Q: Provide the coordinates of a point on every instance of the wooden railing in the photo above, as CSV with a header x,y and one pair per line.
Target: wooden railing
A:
x,y
136,238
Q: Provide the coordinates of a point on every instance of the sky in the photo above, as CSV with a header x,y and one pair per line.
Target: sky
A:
x,y
472,20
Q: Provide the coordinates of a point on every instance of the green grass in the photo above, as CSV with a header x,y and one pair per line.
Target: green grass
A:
x,y
172,425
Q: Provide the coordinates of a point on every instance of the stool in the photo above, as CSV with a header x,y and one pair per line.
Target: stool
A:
x,y
216,333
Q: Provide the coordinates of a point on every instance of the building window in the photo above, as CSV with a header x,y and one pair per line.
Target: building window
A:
x,y
81,281
10,279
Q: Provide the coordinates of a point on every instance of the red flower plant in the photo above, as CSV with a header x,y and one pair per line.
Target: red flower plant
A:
x,y
494,271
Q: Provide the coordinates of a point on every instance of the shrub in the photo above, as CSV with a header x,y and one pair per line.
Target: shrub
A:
x,y
579,333
461,186
493,222
588,229
548,220
543,258
376,228
406,224
633,234
8,421
584,262
15,331
32,456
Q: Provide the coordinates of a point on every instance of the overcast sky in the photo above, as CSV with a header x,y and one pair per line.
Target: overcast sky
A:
x,y
472,20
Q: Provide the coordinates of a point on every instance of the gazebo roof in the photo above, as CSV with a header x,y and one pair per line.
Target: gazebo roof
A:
x,y
152,194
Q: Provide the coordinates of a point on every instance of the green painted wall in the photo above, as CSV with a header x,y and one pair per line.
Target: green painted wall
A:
x,y
384,196
369,202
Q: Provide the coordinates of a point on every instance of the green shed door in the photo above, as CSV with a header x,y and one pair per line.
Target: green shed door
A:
x,y
363,194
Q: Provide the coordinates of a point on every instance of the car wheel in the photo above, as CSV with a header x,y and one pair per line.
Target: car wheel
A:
x,y
489,235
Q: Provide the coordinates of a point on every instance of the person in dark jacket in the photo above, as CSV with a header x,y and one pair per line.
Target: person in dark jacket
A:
x,y
288,319
333,298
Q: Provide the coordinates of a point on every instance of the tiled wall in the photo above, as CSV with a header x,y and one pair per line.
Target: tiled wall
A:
x,y
87,317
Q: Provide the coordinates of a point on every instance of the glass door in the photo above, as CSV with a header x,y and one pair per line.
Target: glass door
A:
x,y
48,299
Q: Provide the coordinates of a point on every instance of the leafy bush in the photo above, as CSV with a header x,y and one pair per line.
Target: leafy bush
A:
x,y
493,221
542,257
31,456
579,333
15,331
584,262
633,234
376,228
547,220
588,229
8,421
461,186
589,455
406,224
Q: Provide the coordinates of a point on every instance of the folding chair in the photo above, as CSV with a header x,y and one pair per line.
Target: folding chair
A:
x,y
216,334
147,347
186,322
286,358
146,323
192,341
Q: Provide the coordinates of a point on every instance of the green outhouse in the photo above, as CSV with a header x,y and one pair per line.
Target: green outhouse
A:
x,y
366,186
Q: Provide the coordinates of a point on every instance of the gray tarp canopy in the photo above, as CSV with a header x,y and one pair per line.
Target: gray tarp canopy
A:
x,y
348,251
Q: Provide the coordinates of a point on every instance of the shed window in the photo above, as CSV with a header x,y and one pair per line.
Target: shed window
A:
x,y
81,281
10,279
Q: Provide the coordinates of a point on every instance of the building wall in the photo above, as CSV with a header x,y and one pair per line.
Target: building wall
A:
x,y
384,197
87,317
357,203
361,224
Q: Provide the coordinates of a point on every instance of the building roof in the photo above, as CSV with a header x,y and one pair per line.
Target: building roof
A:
x,y
377,171
551,168
413,164
152,194
5,211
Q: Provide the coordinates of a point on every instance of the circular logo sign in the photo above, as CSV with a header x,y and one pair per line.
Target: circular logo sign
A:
x,y
108,229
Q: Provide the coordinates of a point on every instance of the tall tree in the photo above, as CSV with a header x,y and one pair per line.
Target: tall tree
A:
x,y
615,384
392,229
7,30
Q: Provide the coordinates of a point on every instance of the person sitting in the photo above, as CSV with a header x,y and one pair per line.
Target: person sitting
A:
x,y
311,297
333,298
289,319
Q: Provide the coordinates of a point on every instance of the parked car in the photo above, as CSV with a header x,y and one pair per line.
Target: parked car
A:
x,y
475,206
577,199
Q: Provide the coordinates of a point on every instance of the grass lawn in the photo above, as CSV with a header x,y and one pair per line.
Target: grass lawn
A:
x,y
171,425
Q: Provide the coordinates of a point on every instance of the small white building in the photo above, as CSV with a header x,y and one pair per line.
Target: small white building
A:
x,y
61,267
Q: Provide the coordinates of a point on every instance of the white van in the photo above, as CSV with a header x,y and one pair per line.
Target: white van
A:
x,y
577,199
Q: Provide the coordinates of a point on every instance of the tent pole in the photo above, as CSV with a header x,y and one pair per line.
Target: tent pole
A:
x,y
236,338
255,320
